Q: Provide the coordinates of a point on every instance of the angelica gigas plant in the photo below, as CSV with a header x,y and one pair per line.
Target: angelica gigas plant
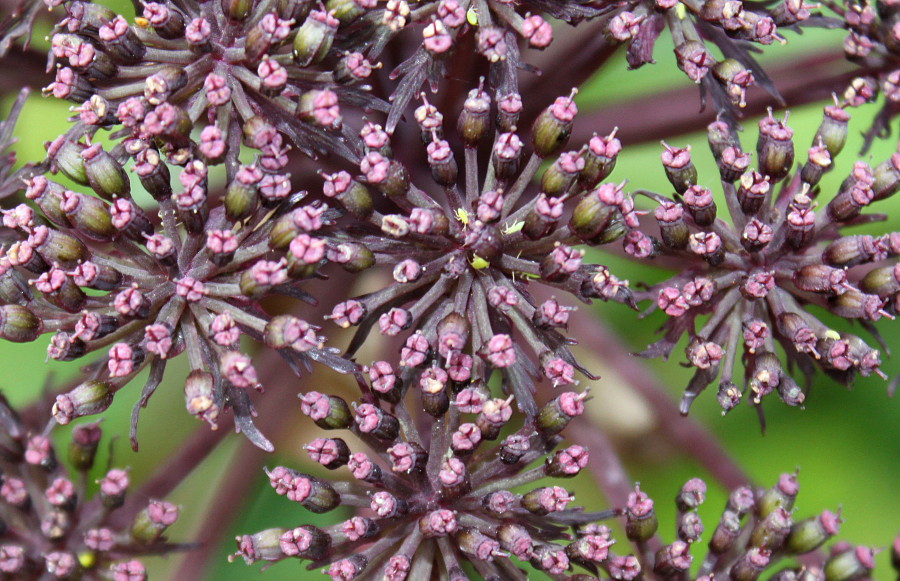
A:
x,y
431,261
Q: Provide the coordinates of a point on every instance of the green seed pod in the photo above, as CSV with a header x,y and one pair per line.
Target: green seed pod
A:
x,y
556,414
781,495
883,281
591,218
262,546
346,11
557,178
771,532
153,173
679,168
352,256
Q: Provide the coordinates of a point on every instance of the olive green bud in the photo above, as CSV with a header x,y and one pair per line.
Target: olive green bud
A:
x,y
165,20
750,565
473,120
388,175
262,546
237,9
833,130
150,524
854,563
543,218
775,148
57,247
48,196
314,38
556,414
352,256
153,173
18,324
887,178
89,215
241,196
850,251
346,11
599,159
592,219
782,495
817,163
328,412
552,128
809,534
640,517
66,156
771,532
200,398
352,195
83,446
720,137
557,178
505,156
883,281
679,168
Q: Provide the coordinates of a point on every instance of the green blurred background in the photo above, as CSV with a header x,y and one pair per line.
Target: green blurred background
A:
x,y
846,443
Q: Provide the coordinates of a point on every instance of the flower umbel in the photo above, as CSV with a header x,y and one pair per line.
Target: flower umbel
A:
x,y
435,484
102,275
53,529
757,275
464,252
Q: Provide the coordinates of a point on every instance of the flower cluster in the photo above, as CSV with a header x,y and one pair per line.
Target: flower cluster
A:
x,y
219,66
731,25
463,251
873,42
101,274
433,491
169,219
55,527
435,484
755,533
754,279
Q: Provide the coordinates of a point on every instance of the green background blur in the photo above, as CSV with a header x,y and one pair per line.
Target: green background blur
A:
x,y
845,443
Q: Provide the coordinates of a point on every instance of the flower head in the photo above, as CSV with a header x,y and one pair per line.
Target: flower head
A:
x,y
104,275
53,530
781,252
757,533
873,37
219,66
463,251
435,483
